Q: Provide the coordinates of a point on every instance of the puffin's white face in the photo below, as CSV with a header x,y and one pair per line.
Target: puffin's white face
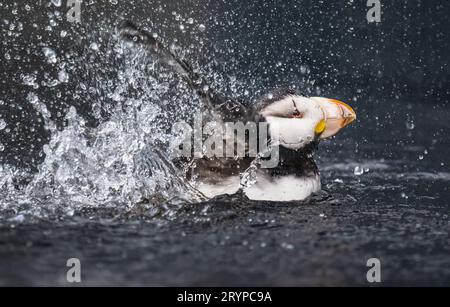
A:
x,y
296,121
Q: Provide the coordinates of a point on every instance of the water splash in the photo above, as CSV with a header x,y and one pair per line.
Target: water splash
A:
x,y
123,161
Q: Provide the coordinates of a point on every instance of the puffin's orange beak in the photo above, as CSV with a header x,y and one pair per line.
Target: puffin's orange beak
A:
x,y
337,115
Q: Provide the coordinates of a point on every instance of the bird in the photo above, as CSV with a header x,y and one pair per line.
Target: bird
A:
x,y
295,123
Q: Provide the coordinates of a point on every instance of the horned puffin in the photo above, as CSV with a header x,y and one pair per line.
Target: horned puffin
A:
x,y
297,123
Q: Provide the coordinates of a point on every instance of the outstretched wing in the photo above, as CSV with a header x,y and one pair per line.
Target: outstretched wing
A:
x,y
223,108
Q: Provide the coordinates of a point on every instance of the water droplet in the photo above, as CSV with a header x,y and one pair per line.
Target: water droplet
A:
x,y
410,124
94,46
2,124
303,69
56,3
358,171
29,80
50,54
33,98
287,246
63,76
201,27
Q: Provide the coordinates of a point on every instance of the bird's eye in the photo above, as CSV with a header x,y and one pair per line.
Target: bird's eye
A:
x,y
297,114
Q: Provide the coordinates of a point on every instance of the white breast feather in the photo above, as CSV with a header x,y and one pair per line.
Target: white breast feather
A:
x,y
284,188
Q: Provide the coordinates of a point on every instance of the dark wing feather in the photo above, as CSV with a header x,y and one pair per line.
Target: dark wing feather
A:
x,y
224,108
